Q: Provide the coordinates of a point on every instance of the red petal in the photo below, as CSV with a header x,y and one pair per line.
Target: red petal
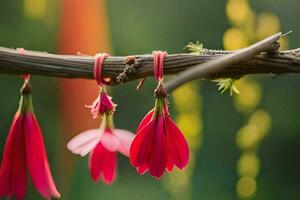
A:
x,y
142,169
141,146
103,162
13,166
37,161
145,120
170,164
106,103
178,149
158,157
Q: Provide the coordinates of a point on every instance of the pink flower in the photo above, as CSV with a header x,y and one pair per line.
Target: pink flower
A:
x,y
25,149
158,144
103,104
102,144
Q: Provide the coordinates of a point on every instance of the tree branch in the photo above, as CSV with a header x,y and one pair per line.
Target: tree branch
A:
x,y
75,66
269,45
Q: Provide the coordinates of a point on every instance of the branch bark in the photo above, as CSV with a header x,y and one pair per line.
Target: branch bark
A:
x,y
269,45
75,66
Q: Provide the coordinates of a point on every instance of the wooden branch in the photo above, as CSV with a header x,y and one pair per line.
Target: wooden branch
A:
x,y
75,66
269,45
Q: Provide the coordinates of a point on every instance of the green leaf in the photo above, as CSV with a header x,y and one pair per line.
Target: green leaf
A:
x,y
195,48
227,84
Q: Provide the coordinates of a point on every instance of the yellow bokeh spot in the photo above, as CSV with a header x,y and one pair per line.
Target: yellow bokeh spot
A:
x,y
249,97
238,11
246,187
234,39
267,24
188,108
191,125
284,43
262,120
179,184
248,165
247,137
186,98
35,9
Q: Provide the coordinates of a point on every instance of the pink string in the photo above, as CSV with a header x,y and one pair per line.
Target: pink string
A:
x,y
26,77
158,60
99,60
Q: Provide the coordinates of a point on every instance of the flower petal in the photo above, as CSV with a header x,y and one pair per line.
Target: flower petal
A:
x,y
84,142
125,138
103,162
158,157
110,141
141,146
145,120
142,169
178,149
106,103
170,164
37,161
13,166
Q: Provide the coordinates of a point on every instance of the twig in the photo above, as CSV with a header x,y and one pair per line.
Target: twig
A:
x,y
269,44
74,66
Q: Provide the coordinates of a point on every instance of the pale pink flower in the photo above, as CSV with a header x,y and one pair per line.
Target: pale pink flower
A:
x,y
101,145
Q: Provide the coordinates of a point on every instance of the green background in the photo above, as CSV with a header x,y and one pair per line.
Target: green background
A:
x,y
138,27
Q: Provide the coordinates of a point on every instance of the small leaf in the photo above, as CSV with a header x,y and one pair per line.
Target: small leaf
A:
x,y
195,48
227,84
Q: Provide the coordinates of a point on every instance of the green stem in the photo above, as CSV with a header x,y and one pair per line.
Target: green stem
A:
x,y
109,123
25,103
159,106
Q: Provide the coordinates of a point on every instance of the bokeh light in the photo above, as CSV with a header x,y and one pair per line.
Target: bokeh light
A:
x,y
247,137
248,165
238,11
246,187
188,109
267,24
234,39
249,97
35,9
262,120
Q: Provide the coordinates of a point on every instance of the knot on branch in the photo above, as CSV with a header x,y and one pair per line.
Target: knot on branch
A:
x,y
127,74
274,47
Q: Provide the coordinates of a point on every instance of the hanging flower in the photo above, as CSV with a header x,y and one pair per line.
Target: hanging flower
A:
x,y
101,145
25,149
103,103
159,144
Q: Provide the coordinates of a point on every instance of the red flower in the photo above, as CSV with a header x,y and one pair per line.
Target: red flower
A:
x,y
102,145
25,149
158,144
103,104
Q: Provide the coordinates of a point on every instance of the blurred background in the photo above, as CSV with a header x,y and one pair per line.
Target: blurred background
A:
x,y
242,147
